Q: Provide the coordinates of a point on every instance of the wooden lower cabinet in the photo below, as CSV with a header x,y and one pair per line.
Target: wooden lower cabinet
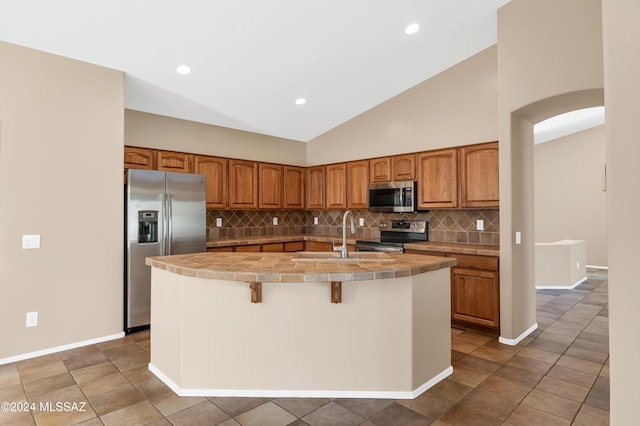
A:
x,y
273,247
475,297
220,249
294,246
252,248
317,246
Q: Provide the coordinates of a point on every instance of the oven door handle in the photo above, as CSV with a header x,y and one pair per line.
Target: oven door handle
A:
x,y
380,249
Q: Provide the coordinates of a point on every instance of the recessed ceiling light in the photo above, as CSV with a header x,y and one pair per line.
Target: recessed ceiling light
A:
x,y
183,69
412,29
301,101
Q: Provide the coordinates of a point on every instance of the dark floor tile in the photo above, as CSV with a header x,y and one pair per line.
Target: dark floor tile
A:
x,y
365,407
77,362
591,346
300,407
479,364
428,404
564,389
450,389
547,345
115,400
333,414
572,376
601,384
489,403
580,364
463,415
586,354
48,384
396,414
592,416
598,399
234,406
204,413
524,415
519,376
552,404
504,388
141,413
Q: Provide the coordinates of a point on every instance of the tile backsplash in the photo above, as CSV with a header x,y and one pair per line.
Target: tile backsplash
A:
x,y
454,226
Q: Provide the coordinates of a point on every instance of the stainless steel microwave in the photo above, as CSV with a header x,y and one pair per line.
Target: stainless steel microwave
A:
x,y
393,196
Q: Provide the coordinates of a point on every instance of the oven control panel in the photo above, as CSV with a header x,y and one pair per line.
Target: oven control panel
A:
x,y
416,226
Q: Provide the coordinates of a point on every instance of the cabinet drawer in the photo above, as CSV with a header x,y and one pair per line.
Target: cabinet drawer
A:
x,y
220,249
254,247
294,246
317,246
273,247
486,263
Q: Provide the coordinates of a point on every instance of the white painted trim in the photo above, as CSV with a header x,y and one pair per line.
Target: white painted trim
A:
x,y
597,267
561,287
279,393
513,342
61,348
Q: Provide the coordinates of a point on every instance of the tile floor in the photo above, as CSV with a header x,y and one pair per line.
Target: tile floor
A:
x,y
557,376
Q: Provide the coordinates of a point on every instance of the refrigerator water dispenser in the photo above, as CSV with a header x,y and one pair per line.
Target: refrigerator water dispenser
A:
x,y
148,226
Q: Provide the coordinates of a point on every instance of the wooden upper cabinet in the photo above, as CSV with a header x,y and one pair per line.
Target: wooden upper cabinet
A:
x,y
315,187
243,184
215,170
479,176
293,191
403,167
437,179
358,184
169,161
270,184
336,185
380,170
139,158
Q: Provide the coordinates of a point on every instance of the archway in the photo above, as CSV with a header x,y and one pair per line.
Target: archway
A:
x,y
517,216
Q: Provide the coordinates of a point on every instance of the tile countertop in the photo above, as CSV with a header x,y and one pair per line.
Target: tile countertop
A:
x,y
281,267
474,249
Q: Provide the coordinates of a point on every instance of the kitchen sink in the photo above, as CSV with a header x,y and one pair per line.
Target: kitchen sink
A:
x,y
334,256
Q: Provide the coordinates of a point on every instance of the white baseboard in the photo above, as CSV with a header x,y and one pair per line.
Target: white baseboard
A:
x,y
279,393
513,342
597,267
561,287
60,348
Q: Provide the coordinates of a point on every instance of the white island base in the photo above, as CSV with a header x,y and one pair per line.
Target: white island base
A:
x,y
389,338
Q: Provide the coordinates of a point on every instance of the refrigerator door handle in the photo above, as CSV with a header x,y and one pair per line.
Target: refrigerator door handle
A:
x,y
169,223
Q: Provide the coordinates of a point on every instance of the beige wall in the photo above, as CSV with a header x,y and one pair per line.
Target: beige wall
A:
x,y
155,131
622,89
455,107
61,148
549,61
569,201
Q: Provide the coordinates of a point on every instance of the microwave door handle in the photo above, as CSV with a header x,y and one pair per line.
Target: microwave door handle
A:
x,y
401,197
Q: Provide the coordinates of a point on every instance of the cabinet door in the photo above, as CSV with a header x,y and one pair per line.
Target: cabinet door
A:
x,y
169,161
336,186
380,170
479,176
215,170
358,184
403,167
293,191
315,187
139,158
437,179
249,248
475,297
243,184
273,247
270,182
317,246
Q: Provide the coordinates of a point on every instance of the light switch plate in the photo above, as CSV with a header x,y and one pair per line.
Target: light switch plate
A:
x,y
361,221
479,225
518,237
315,220
219,222
275,220
31,241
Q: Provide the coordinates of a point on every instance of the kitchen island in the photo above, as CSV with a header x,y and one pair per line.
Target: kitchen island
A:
x,y
300,324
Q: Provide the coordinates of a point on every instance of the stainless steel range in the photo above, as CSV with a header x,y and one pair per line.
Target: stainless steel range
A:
x,y
393,235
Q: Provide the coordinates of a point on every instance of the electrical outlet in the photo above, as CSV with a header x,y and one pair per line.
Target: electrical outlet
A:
x,y
31,242
275,220
479,225
361,221
518,237
315,220
219,222
32,319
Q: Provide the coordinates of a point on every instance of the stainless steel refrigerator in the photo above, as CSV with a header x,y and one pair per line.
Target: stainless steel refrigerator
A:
x,y
165,213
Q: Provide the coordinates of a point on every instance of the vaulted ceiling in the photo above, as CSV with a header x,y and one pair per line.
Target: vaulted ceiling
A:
x,y
251,60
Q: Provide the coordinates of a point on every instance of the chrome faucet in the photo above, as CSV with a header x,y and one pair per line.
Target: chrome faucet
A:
x,y
343,248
